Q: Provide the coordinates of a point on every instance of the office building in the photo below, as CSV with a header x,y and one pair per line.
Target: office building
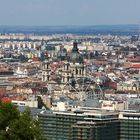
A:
x,y
81,124
130,125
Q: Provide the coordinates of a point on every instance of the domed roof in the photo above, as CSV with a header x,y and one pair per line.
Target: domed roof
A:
x,y
75,55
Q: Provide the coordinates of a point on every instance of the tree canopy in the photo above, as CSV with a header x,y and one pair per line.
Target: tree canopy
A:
x,y
17,126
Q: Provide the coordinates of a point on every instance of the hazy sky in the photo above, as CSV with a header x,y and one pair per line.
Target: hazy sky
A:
x,y
69,12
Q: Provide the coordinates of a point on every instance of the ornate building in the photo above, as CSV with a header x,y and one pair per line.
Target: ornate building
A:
x,y
66,70
70,77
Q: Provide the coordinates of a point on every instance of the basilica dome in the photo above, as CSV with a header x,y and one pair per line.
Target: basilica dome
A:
x,y
75,56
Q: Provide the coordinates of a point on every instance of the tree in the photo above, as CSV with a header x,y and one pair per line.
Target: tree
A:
x,y
41,103
8,113
24,128
19,126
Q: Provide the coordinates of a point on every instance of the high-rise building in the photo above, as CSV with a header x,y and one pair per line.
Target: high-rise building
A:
x,y
130,125
82,124
91,124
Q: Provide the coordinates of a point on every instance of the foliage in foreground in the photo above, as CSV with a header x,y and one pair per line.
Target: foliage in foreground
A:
x,y
17,126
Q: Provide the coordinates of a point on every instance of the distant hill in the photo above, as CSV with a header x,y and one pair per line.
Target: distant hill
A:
x,y
79,30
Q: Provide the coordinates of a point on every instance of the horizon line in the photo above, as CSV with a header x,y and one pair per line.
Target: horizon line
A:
x,y
69,25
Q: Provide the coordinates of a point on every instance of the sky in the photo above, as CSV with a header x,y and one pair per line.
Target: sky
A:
x,y
69,12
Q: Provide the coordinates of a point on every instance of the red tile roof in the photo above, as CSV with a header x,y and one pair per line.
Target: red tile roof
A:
x,y
6,99
2,91
136,66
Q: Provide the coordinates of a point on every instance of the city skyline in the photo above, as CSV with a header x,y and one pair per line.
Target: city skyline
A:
x,y
62,12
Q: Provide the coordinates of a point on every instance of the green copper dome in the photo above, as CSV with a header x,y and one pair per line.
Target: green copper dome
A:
x,y
75,56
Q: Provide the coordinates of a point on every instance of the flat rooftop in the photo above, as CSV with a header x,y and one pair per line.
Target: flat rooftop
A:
x,y
84,112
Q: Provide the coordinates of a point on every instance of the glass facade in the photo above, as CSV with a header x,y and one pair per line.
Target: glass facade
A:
x,y
98,131
73,126
130,129
58,126
68,126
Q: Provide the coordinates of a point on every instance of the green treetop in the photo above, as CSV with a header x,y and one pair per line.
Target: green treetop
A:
x,y
17,126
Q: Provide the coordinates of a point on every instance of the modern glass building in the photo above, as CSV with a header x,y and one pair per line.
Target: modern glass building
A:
x,y
91,124
96,131
130,125
82,124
